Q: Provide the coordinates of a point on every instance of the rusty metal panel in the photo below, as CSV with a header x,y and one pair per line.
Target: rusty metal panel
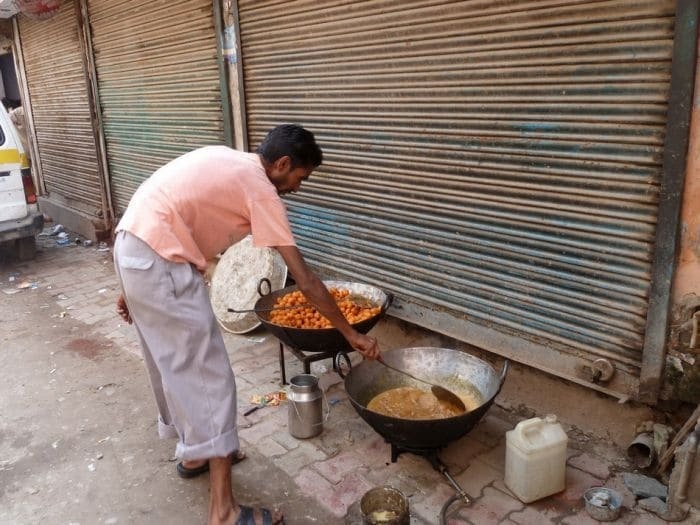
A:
x,y
57,85
159,85
495,164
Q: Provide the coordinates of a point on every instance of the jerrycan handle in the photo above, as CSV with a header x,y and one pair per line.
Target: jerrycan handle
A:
x,y
527,427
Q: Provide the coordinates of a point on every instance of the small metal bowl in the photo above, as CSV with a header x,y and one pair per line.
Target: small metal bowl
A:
x,y
602,503
384,506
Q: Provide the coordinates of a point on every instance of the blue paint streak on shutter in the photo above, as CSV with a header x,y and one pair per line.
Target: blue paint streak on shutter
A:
x,y
496,165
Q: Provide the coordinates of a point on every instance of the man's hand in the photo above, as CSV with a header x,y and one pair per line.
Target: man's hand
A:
x,y
366,345
317,294
123,310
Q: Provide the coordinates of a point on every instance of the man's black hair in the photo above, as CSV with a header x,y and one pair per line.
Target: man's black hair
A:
x,y
293,141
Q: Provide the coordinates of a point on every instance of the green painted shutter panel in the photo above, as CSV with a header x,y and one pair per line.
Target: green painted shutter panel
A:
x,y
58,91
159,85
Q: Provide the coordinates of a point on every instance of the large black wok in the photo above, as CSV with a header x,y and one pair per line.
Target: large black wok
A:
x,y
458,371
321,339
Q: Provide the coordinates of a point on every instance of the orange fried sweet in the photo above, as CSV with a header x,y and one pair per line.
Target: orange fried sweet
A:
x,y
294,311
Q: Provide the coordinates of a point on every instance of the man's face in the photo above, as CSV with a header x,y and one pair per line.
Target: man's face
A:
x,y
285,178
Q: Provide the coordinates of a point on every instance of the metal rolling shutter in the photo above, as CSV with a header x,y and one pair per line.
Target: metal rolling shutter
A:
x,y
57,85
495,164
159,86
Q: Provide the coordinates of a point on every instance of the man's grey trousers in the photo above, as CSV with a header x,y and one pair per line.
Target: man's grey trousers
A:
x,y
183,349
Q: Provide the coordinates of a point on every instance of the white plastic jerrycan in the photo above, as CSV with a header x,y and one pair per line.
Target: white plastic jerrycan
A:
x,y
536,458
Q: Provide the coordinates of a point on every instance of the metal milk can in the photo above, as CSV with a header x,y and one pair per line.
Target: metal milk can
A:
x,y
305,410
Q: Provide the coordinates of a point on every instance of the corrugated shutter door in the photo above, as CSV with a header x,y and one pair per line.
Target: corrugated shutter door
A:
x,y
158,80
58,91
496,164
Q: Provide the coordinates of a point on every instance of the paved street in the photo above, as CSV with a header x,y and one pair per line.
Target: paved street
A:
x,y
78,443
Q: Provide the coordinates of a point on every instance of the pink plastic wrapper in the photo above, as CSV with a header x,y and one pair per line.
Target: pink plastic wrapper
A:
x,y
38,8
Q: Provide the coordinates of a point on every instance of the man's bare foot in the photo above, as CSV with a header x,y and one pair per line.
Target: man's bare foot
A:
x,y
196,467
245,515
223,508
238,456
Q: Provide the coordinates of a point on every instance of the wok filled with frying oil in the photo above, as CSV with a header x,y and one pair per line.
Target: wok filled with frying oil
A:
x,y
405,412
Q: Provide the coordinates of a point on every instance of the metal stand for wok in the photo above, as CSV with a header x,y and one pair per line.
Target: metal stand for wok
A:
x,y
306,359
431,454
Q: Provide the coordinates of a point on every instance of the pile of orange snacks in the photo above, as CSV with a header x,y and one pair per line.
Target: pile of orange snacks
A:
x,y
296,312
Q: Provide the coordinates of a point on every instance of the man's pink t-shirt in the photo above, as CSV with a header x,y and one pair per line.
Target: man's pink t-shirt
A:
x,y
199,204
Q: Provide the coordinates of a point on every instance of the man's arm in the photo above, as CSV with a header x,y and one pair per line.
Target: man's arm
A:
x,y
318,295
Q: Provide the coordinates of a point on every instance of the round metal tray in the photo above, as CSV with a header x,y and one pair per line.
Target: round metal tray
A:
x,y
234,283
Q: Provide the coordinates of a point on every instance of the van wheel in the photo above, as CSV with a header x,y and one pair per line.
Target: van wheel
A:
x,y
26,248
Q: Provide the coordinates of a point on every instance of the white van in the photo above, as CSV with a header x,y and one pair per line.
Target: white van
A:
x,y
20,219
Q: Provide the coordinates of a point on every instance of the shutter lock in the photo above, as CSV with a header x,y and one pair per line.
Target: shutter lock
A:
x,y
599,371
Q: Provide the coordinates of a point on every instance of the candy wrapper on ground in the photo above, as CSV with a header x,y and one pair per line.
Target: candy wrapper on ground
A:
x,y
271,399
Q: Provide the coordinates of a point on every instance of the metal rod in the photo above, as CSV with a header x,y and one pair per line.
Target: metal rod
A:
x,y
466,498
251,410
